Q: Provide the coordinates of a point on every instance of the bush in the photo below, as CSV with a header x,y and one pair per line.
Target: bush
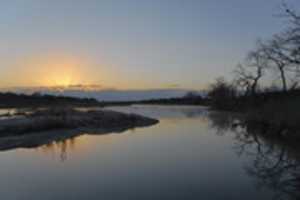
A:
x,y
222,95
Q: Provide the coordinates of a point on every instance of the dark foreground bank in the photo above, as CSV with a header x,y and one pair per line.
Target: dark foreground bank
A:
x,y
277,111
46,125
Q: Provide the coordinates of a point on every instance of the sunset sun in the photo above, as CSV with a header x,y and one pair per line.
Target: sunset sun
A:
x,y
62,73
64,81
54,70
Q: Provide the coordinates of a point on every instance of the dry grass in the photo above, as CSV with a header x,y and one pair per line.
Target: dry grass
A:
x,y
68,118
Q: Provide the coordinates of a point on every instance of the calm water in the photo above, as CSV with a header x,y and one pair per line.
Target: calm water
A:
x,y
190,154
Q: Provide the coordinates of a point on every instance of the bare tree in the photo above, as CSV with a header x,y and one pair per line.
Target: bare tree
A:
x,y
292,35
273,51
243,79
248,75
283,50
281,53
292,43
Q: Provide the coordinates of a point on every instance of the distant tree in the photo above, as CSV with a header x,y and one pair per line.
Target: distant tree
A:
x,y
222,94
191,95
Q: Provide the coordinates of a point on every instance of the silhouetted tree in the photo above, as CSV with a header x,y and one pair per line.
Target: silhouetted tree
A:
x,y
292,36
281,54
272,51
248,75
283,51
222,94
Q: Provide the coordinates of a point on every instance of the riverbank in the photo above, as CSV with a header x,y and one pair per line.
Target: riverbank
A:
x,y
68,118
276,112
282,116
279,117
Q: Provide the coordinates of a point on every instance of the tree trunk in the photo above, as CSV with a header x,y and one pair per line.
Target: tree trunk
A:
x,y
283,79
253,88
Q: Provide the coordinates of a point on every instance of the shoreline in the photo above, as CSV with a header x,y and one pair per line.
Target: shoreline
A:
x,y
44,126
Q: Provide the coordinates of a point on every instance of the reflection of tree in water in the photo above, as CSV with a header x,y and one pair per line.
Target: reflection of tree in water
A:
x,y
62,147
221,122
274,164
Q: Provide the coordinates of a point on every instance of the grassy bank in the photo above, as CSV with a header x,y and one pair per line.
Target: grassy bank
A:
x,y
42,120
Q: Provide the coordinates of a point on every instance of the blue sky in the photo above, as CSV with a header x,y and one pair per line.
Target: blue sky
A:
x,y
130,43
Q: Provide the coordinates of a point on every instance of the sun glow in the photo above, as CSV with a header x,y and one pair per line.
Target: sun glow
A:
x,y
62,73
59,70
53,71
63,81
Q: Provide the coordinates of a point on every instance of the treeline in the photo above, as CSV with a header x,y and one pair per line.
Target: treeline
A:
x,y
272,67
12,100
190,98
266,83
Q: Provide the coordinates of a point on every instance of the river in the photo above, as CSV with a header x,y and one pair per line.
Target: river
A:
x,y
193,153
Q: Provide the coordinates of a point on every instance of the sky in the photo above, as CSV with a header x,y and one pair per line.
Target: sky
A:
x,y
129,44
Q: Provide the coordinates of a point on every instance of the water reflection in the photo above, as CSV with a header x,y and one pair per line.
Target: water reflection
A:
x,y
59,147
164,112
273,163
186,156
12,112
222,122
35,140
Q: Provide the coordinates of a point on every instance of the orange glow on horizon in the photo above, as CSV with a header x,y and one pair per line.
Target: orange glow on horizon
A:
x,y
63,70
52,71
